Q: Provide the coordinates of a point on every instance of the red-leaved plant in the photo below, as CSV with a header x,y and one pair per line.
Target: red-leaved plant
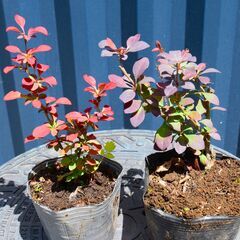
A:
x,y
183,98
77,147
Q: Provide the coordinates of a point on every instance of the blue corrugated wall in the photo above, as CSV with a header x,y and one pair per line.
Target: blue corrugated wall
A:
x,y
209,28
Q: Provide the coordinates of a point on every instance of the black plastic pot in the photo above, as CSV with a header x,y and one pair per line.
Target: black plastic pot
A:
x,y
162,225
82,223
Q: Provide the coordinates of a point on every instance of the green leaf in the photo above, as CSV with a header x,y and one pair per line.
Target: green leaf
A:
x,y
102,152
203,159
66,161
109,146
200,108
176,126
109,155
72,166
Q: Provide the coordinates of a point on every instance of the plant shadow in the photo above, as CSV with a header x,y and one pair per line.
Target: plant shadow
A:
x,y
18,217
131,206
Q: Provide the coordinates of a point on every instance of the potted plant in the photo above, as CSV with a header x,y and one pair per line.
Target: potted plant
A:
x,y
189,195
77,195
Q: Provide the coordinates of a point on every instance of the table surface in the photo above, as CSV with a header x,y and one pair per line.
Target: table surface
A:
x,y
18,219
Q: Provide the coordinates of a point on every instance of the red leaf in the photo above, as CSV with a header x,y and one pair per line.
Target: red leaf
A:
x,y
39,29
90,80
127,95
50,99
36,103
109,86
20,21
41,131
64,101
51,81
76,116
13,49
12,28
12,95
71,137
8,69
40,48
29,139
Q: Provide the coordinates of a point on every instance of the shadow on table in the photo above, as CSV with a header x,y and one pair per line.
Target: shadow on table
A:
x,y
131,205
14,201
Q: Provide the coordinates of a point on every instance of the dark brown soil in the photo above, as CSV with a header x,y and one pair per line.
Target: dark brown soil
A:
x,y
46,190
197,193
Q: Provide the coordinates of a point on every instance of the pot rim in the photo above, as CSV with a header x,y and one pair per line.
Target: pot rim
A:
x,y
207,218
102,204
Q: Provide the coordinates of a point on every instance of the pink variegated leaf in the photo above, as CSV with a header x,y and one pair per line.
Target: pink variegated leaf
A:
x,y
165,68
138,118
163,137
215,136
51,81
90,80
147,80
132,40
12,28
119,81
138,46
110,43
20,21
127,95
8,69
106,53
219,108
12,95
64,101
195,141
135,105
207,122
40,48
211,97
194,115
188,85
140,66
210,70
12,49
41,131
39,29
201,67
186,101
170,90
204,80
179,146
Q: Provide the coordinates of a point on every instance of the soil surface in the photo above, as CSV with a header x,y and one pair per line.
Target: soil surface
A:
x,y
46,190
197,193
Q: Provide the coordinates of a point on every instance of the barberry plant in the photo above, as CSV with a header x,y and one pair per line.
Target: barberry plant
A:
x,y
70,136
183,98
